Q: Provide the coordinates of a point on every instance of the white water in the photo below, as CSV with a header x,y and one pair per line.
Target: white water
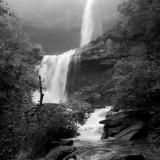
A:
x,y
92,130
54,70
88,23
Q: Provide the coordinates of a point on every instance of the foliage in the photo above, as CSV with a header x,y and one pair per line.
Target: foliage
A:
x,y
79,108
53,122
23,124
143,22
17,63
135,81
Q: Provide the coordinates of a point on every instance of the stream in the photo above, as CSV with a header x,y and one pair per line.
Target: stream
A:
x,y
89,143
90,146
92,130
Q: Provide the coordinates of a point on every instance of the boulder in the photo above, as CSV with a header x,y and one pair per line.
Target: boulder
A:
x,y
66,142
130,157
128,133
116,130
154,135
60,153
117,119
46,145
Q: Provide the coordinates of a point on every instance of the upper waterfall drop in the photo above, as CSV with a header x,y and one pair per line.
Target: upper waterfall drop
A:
x,y
88,23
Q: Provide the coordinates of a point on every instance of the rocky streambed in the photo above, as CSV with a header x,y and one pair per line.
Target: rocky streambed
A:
x,y
105,150
126,136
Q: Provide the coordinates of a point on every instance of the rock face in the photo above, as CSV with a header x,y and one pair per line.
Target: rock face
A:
x,y
59,153
94,63
131,157
92,74
127,133
117,151
131,125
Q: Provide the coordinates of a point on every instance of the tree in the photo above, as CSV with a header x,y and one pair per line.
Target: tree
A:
x,y
17,75
135,81
143,23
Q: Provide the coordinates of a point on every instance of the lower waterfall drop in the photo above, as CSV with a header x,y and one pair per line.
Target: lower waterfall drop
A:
x,y
54,72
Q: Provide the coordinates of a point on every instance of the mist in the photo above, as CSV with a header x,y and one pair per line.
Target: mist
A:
x,y
49,22
49,13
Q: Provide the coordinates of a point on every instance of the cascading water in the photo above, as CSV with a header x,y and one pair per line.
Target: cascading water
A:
x,y
92,130
53,71
88,23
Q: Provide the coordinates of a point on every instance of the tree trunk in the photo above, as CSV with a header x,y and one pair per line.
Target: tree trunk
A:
x,y
41,92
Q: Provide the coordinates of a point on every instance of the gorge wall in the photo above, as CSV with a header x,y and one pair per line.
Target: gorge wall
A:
x,y
105,74
94,69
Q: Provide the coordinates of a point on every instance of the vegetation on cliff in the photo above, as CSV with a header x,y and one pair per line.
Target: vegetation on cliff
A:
x,y
121,68
135,80
133,87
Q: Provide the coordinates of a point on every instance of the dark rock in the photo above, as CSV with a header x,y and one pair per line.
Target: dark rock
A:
x,y
66,142
154,135
116,130
131,157
71,156
46,145
128,133
60,153
131,124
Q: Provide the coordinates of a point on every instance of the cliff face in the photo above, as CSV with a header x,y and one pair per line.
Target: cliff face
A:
x,y
94,68
104,68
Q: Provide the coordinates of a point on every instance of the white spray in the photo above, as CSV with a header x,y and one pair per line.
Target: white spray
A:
x,y
54,70
92,130
88,23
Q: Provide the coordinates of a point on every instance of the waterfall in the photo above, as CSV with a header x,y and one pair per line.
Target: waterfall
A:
x,y
54,70
88,23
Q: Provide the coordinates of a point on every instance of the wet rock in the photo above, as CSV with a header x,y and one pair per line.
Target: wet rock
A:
x,y
71,156
116,122
47,145
117,119
60,153
116,130
66,142
131,157
154,135
131,124
128,133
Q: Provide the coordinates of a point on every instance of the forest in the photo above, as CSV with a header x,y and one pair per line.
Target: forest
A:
x,y
22,122
134,84
136,78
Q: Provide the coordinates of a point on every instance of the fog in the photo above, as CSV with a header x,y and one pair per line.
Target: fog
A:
x,y
58,12
49,12
51,21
